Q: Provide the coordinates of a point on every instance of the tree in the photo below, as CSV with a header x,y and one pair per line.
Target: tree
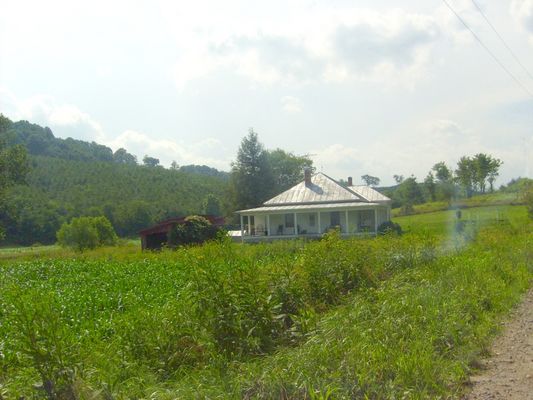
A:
x,y
398,179
211,205
494,171
132,217
370,180
410,194
86,233
442,172
466,174
121,156
429,184
174,165
150,161
287,169
13,162
251,174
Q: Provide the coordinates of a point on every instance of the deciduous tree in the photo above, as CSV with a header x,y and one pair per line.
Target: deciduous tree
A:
x,y
370,180
287,169
13,162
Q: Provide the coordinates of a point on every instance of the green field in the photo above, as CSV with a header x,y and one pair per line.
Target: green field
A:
x,y
391,317
479,200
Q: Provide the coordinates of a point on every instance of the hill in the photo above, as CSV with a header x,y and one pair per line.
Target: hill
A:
x,y
70,178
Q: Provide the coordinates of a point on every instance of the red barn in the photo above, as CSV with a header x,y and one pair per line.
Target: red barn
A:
x,y
155,237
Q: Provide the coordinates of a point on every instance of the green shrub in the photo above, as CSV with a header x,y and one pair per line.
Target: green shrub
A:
x,y
87,233
194,230
389,227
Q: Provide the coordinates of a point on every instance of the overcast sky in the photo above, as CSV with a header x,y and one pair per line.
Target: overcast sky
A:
x,y
375,87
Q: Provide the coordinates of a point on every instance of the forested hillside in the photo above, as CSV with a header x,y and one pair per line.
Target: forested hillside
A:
x,y
68,178
130,196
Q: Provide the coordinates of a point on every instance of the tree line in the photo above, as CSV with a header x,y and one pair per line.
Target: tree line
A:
x,y
471,176
46,181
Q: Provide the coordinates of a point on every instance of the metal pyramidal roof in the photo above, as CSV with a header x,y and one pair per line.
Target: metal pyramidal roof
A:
x,y
323,189
368,193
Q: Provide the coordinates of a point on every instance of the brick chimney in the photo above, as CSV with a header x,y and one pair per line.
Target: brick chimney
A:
x,y
307,176
350,181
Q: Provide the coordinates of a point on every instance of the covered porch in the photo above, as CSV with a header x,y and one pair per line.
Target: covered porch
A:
x,y
275,223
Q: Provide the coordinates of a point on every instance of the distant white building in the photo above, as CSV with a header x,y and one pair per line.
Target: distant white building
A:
x,y
313,207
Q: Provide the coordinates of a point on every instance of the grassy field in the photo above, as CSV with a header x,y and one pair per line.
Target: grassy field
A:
x,y
392,317
481,200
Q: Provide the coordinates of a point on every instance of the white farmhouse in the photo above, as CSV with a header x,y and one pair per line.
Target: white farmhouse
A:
x,y
313,207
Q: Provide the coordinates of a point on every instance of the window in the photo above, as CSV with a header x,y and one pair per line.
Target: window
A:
x,y
289,220
335,218
312,220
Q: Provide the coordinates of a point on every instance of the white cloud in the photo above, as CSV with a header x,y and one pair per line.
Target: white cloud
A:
x,y
69,121
291,105
201,152
415,153
522,11
317,44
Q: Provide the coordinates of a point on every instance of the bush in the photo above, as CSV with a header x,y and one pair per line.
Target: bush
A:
x,y
87,233
389,227
194,230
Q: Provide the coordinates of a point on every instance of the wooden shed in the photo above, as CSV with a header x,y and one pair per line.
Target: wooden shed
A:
x,y
155,237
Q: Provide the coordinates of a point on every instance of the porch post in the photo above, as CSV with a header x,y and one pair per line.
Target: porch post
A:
x,y
319,224
347,223
376,221
268,224
242,228
295,224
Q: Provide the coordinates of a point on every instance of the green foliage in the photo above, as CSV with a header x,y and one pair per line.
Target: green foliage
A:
x,y
211,205
13,165
473,173
194,230
150,161
251,174
87,233
374,318
442,172
409,193
527,198
287,169
389,227
130,196
370,180
466,174
202,170
40,141
121,156
517,185
430,186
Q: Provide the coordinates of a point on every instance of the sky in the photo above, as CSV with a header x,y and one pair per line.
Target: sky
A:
x,y
375,87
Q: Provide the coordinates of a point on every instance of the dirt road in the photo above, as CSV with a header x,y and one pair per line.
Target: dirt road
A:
x,y
508,373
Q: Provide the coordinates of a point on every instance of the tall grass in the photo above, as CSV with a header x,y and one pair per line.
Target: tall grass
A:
x,y
385,317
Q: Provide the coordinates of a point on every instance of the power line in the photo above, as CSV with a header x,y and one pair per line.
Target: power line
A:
x,y
502,40
488,50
